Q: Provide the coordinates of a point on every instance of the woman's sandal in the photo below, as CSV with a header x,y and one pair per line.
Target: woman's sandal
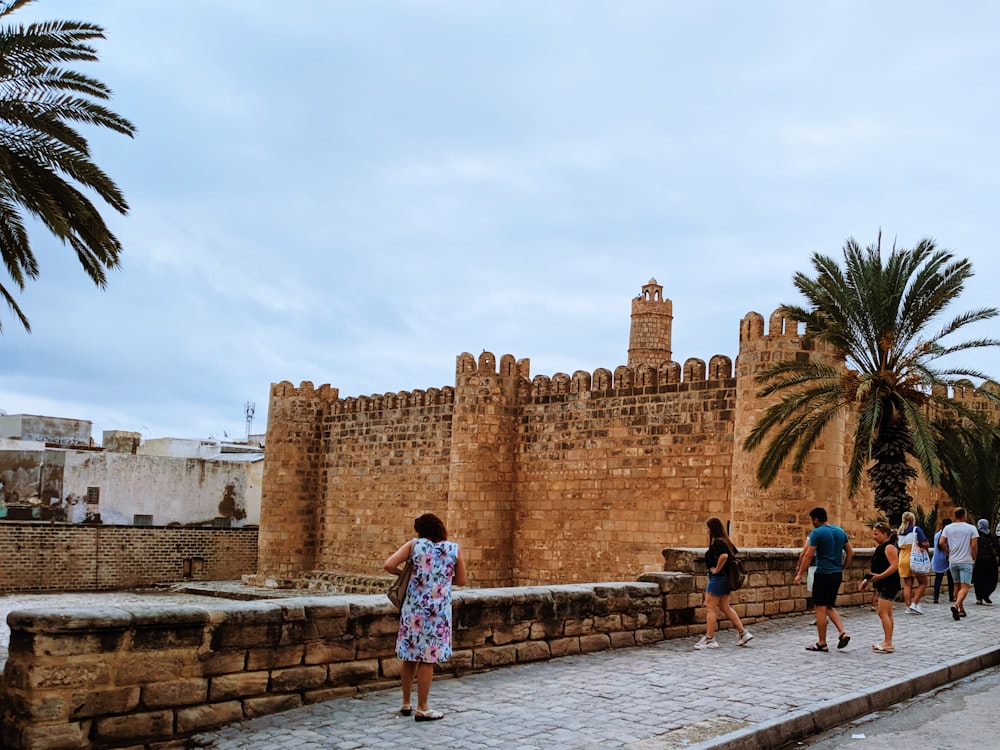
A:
x,y
878,647
818,647
406,711
843,640
428,715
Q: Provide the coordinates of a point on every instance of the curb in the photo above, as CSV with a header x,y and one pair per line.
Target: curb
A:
x,y
806,722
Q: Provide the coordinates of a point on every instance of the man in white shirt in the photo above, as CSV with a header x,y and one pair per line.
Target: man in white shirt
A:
x,y
961,541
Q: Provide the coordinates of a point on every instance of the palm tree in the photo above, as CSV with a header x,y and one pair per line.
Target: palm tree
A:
x,y
43,159
877,315
970,460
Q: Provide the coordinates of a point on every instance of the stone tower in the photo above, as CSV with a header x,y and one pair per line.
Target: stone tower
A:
x,y
652,319
779,515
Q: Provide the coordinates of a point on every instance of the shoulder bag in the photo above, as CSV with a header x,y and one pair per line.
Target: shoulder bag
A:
x,y
920,561
397,591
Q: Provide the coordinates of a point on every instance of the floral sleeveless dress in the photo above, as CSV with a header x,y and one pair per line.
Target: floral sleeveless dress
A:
x,y
425,617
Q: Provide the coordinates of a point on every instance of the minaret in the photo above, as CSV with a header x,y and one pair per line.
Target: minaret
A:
x,y
652,319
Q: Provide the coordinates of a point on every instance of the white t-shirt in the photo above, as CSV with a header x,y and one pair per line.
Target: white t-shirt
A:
x,y
959,536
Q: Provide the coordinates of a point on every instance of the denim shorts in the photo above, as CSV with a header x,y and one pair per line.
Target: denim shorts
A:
x,y
717,585
961,572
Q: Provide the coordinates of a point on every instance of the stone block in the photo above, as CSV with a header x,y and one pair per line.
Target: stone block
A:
x,y
222,662
86,704
328,653
70,644
141,669
648,635
296,679
608,623
460,663
624,639
376,646
270,704
67,675
164,637
391,667
564,646
471,637
543,631
56,736
596,642
578,627
226,686
503,634
352,673
176,693
494,656
275,658
533,651
208,716
135,726
248,625
37,708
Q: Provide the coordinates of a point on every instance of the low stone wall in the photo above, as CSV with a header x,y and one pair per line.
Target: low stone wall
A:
x,y
147,676
78,557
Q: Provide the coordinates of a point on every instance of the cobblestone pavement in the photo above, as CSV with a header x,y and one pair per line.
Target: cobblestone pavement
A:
x,y
661,697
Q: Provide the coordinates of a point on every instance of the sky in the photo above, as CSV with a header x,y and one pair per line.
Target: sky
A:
x,y
356,192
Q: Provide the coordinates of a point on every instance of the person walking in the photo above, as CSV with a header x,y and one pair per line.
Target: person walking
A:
x,y
885,581
961,541
718,558
939,564
911,538
424,637
984,571
831,548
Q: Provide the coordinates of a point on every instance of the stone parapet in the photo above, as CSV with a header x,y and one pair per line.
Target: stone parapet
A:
x,y
138,675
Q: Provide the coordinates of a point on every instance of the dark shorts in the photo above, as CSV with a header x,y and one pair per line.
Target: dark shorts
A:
x,y
888,591
825,588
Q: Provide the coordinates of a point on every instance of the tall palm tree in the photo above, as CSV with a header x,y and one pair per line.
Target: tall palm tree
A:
x,y
43,159
877,314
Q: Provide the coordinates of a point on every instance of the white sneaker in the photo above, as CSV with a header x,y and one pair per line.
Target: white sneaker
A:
x,y
915,609
706,643
745,638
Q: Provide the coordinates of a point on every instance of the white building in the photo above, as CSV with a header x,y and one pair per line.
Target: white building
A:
x,y
49,470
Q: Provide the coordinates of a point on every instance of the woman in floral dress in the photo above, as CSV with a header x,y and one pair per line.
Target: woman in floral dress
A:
x,y
425,618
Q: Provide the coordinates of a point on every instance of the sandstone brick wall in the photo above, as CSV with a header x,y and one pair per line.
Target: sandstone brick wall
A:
x,y
382,468
139,675
551,479
605,476
72,557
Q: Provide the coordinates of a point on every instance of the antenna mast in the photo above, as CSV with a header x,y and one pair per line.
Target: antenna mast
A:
x,y
248,410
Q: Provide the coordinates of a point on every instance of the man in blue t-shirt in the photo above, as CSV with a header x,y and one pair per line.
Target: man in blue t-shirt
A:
x,y
831,549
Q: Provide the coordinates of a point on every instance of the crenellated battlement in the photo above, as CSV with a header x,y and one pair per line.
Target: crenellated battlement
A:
x,y
553,477
356,404
607,383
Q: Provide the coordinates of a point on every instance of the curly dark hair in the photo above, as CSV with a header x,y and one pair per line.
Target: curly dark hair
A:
x,y
430,527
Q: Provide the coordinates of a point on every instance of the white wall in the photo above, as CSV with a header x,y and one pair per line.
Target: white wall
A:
x,y
171,490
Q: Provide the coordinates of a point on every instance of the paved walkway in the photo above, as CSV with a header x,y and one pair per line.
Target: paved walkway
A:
x,y
660,697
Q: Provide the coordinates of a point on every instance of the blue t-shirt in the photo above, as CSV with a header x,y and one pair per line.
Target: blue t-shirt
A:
x,y
829,541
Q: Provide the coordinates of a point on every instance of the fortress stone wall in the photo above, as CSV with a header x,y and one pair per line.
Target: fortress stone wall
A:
x,y
546,479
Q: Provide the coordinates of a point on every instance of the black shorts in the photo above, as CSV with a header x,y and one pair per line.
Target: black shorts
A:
x,y
825,588
888,591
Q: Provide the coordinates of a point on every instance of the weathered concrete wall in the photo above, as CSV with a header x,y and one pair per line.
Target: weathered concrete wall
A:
x,y
70,557
171,490
138,675
52,430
